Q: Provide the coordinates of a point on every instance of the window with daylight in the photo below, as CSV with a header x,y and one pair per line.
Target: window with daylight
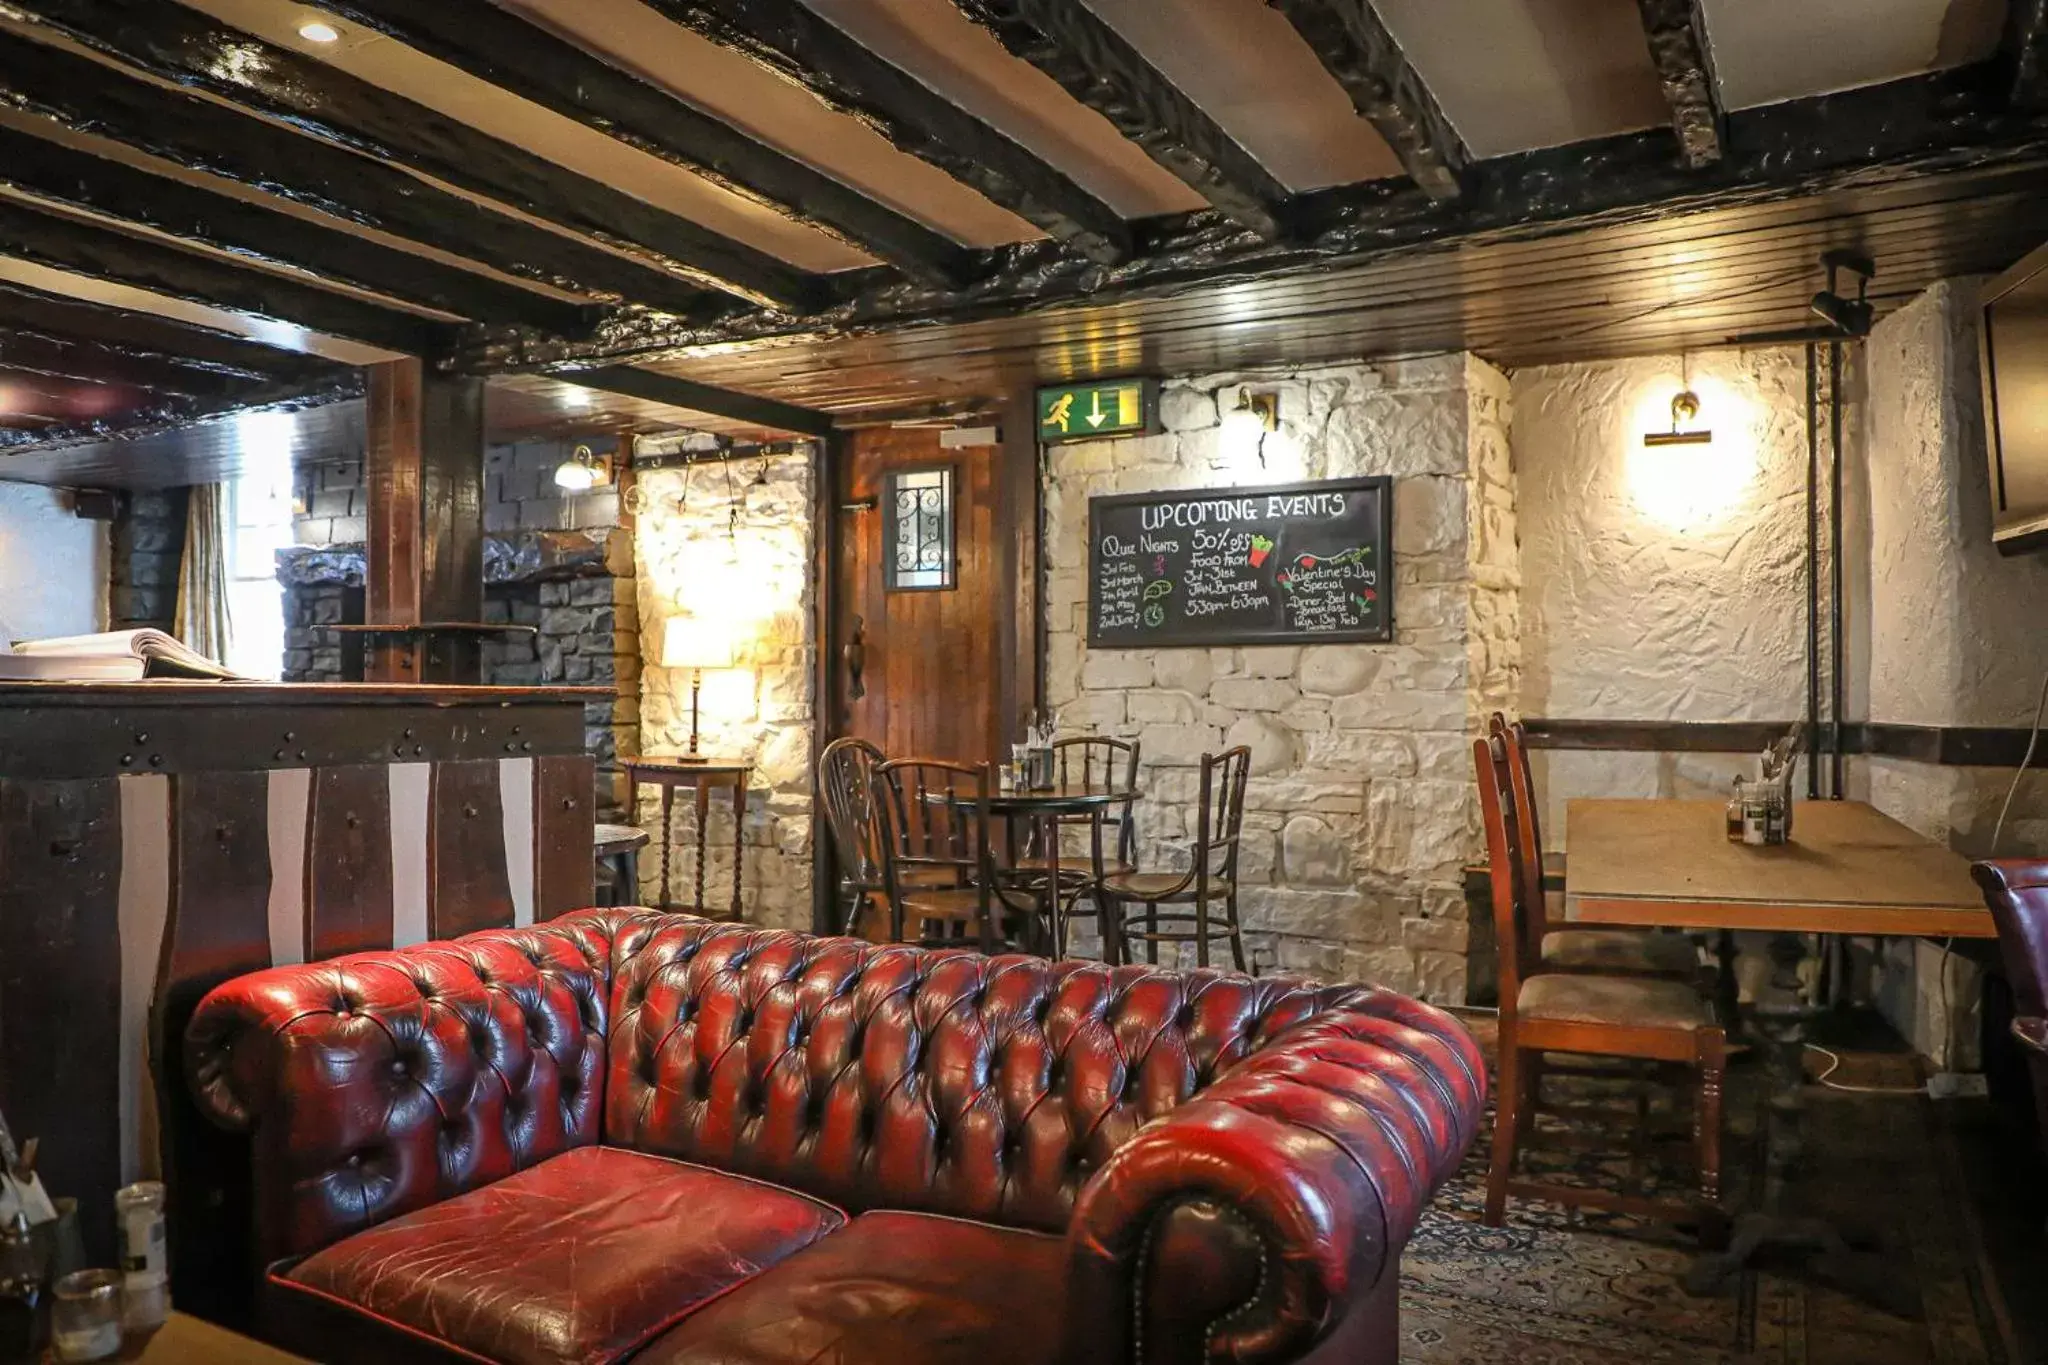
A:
x,y
919,529
260,516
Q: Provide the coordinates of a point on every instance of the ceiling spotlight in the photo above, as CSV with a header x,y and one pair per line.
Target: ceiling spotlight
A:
x,y
313,31
1850,317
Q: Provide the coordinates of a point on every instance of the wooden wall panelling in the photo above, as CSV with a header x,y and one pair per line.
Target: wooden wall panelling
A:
x,y
348,861
564,835
468,884
219,928
60,988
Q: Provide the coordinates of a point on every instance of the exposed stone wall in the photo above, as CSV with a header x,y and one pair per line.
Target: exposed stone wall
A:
x,y
1663,583
52,566
755,578
1952,639
145,544
1361,810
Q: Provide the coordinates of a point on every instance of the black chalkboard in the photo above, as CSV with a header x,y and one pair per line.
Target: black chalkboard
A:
x,y
1239,566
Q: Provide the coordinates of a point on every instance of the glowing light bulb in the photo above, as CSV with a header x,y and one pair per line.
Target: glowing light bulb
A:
x,y
314,31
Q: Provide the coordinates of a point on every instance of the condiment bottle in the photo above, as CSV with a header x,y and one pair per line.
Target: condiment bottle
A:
x,y
146,1298
24,1294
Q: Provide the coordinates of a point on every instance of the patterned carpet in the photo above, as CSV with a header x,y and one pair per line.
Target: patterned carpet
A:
x,y
1553,1289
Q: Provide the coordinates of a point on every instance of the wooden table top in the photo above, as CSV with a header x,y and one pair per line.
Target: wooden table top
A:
x,y
655,768
1850,869
186,1340
1071,796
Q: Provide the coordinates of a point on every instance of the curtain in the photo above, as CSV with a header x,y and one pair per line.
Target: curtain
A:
x,y
203,573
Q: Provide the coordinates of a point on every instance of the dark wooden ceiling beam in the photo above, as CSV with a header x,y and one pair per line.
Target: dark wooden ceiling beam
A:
x,y
706,398
187,48
514,54
69,176
158,416
1357,49
100,364
199,133
151,336
1864,138
66,243
1097,66
802,46
1677,35
2023,56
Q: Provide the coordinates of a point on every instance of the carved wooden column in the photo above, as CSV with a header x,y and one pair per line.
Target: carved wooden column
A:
x,y
424,465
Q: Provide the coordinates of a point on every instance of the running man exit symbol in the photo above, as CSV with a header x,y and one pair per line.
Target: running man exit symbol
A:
x,y
1079,412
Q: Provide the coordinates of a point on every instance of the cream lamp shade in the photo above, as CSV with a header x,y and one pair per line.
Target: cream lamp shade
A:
x,y
692,642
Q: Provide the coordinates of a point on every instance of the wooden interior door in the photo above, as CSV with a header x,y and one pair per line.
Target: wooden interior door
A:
x,y
937,667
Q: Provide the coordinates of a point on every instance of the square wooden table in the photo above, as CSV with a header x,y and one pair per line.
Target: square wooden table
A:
x,y
1849,869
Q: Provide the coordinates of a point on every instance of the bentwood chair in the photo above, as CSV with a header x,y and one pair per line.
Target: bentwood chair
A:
x,y
846,789
1091,763
1208,888
1543,1011
1553,942
939,860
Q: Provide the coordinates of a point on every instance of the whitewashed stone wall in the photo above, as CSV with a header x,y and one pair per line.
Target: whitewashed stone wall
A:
x,y
754,577
53,566
1953,633
1662,583
1360,811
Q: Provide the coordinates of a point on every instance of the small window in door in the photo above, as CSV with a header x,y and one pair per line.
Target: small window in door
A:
x,y
919,530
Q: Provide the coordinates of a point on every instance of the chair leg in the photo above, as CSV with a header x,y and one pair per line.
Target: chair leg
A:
x,y
1236,934
1201,931
1152,927
1712,1054
1507,1121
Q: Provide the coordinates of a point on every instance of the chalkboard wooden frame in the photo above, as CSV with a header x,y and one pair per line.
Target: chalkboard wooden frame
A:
x,y
1184,635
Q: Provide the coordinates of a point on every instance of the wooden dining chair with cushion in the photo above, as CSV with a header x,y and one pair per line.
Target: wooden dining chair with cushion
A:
x,y
1555,942
1108,834
938,860
1546,1011
2016,893
1208,888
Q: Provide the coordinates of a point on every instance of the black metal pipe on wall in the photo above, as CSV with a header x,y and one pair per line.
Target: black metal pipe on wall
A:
x,y
1837,679
1812,570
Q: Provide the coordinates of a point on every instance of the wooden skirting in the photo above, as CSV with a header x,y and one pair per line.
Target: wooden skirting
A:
x,y
1981,746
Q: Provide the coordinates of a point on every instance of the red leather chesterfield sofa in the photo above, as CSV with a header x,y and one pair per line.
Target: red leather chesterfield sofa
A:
x,y
632,1136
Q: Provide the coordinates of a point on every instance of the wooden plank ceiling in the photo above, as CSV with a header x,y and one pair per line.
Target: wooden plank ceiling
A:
x,y
755,216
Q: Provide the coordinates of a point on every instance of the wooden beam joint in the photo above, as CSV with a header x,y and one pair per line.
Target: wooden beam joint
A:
x,y
1677,34
1358,49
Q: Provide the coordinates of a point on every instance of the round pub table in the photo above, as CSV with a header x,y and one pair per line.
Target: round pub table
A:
x,y
1045,807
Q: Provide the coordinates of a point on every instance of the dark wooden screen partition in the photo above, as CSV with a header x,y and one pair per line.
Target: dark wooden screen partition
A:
x,y
159,838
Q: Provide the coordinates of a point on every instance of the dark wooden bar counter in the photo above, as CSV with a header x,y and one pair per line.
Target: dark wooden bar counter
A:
x,y
159,837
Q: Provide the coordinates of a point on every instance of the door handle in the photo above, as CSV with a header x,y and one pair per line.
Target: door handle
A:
x,y
856,655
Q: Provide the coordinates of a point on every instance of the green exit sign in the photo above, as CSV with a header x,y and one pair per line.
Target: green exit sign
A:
x,y
1089,412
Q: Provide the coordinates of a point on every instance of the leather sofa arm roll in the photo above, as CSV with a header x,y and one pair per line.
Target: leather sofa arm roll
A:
x,y
1272,1204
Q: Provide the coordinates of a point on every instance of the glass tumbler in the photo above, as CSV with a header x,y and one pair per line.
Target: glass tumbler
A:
x,y
85,1315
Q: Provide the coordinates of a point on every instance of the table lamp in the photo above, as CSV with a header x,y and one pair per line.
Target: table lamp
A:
x,y
692,643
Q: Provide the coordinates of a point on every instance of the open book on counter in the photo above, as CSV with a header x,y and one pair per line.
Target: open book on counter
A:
x,y
110,656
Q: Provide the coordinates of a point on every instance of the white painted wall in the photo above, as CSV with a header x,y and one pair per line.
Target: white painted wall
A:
x,y
1660,583
53,566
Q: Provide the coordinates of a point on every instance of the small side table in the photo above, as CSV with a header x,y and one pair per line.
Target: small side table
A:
x,y
702,777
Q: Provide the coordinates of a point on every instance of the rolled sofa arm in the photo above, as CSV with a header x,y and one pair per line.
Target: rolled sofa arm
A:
x,y
1275,1202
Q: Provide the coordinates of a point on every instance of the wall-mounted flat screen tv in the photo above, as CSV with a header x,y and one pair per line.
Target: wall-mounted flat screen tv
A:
x,y
2014,342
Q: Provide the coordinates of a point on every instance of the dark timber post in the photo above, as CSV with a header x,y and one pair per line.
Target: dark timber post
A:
x,y
424,465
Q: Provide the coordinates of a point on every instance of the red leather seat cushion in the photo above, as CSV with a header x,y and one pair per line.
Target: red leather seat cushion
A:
x,y
888,1289
579,1259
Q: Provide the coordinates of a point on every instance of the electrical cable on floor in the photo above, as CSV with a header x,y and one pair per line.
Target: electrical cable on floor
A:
x,y
1835,1064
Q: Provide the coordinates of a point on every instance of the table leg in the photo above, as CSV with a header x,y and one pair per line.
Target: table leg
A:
x,y
1055,921
668,810
703,819
739,841
1773,1232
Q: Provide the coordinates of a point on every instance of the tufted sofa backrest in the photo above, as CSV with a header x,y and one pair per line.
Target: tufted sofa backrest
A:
x,y
380,1083
894,1077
